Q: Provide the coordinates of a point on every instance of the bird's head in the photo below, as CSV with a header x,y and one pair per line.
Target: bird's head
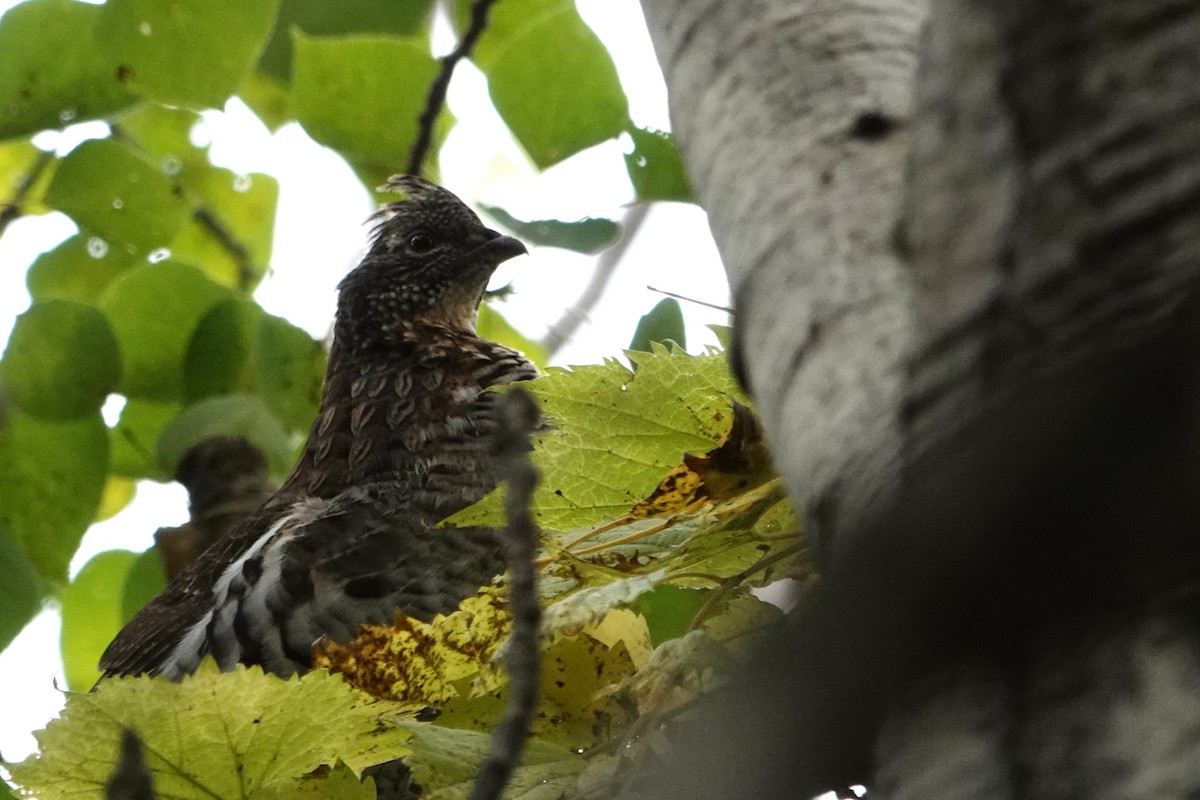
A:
x,y
429,262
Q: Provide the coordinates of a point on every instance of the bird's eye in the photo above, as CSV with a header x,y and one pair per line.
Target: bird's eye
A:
x,y
421,242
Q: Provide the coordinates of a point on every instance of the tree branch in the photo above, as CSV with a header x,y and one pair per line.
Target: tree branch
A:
x,y
518,419
437,90
606,265
208,219
687,299
11,210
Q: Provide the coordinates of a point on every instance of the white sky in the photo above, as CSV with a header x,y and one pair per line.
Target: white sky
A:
x,y
319,235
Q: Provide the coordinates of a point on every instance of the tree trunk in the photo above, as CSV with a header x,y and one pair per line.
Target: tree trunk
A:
x,y
964,257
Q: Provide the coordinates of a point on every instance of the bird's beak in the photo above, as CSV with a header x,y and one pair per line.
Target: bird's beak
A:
x,y
502,248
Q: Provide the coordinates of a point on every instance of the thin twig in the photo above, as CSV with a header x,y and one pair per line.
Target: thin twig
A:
x,y
437,90
704,576
687,299
627,538
518,413
207,218
562,331
734,581
11,210
594,532
240,253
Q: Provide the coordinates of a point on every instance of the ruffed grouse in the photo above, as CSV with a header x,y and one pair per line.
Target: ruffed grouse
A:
x,y
400,442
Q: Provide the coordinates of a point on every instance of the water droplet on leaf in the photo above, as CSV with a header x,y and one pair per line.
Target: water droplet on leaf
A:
x,y
66,115
118,203
161,254
97,247
145,29
242,183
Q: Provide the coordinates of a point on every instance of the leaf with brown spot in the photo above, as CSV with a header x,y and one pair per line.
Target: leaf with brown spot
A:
x,y
417,663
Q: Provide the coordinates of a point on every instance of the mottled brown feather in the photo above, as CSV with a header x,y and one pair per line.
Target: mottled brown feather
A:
x,y
399,443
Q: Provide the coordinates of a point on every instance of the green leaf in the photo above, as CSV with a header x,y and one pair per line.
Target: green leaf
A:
x,y
92,615
669,610
21,163
62,360
105,187
118,493
339,783
154,310
445,762
239,348
52,476
232,235
361,95
616,434
186,52
655,168
551,79
664,323
164,134
322,18
267,97
241,734
79,269
246,416
23,590
53,72
492,326
288,367
135,439
217,358
145,579
724,334
588,235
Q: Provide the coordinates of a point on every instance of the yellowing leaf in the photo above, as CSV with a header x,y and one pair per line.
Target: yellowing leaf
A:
x,y
418,663
338,783
212,735
575,709
118,492
622,626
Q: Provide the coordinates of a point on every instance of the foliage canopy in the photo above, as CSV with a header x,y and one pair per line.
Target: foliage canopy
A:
x,y
658,505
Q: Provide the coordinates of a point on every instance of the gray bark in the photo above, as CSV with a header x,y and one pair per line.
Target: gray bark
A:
x,y
964,257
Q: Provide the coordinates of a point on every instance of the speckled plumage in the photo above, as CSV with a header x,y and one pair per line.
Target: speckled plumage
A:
x,y
400,442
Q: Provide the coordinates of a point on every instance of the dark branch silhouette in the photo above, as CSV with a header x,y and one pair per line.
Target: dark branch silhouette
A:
x,y
246,270
131,779
437,90
518,417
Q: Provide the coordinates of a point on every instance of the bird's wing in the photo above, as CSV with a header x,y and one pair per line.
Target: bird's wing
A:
x,y
323,569
148,638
